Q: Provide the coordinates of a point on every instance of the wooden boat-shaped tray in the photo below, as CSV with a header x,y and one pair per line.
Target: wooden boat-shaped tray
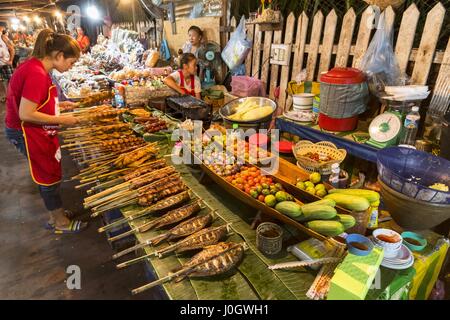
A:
x,y
258,205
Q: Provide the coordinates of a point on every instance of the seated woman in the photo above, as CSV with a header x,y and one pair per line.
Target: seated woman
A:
x,y
195,41
83,40
185,80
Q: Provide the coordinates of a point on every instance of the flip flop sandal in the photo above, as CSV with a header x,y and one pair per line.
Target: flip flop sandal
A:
x,y
75,226
49,226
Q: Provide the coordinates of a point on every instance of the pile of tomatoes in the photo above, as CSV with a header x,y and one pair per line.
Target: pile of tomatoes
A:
x,y
250,180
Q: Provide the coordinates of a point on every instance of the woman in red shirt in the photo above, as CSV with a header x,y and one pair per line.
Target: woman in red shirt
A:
x,y
83,39
32,119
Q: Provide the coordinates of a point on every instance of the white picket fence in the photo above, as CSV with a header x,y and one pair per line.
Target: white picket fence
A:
x,y
317,55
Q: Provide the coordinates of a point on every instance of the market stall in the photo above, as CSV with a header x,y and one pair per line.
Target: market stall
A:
x,y
304,230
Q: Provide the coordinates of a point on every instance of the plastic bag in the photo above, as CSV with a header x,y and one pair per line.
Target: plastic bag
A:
x,y
379,63
152,59
164,50
237,48
244,86
196,11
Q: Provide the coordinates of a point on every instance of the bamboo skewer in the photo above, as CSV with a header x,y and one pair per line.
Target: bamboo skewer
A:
x,y
135,260
123,198
124,184
119,222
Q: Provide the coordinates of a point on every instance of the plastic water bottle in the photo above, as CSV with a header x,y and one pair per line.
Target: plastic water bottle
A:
x,y
410,127
334,177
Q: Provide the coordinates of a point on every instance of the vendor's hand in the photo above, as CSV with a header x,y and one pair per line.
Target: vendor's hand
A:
x,y
68,120
67,105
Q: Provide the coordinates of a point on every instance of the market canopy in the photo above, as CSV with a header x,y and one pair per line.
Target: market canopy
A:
x,y
10,8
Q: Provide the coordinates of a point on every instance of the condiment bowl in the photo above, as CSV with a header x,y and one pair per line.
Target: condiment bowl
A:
x,y
356,242
407,235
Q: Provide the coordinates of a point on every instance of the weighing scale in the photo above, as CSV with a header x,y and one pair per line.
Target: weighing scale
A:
x,y
385,129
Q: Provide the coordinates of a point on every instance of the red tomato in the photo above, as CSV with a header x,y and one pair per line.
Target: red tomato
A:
x,y
251,183
246,186
247,190
261,198
269,180
240,186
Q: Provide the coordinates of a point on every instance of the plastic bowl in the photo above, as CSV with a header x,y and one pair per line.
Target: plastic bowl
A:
x,y
417,237
390,233
354,237
411,172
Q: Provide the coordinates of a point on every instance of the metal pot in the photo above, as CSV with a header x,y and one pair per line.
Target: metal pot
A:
x,y
230,109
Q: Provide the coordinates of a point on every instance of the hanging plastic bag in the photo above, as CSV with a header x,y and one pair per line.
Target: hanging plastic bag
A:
x,y
379,63
164,50
237,48
196,11
152,59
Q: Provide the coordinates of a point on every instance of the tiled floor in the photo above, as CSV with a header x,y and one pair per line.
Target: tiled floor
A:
x,y
33,262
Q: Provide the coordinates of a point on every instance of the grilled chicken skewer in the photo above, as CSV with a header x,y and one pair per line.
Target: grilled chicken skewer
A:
x,y
169,218
183,229
161,206
142,198
144,169
133,184
213,260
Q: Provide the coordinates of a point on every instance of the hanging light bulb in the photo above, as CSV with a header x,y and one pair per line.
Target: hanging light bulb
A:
x,y
93,13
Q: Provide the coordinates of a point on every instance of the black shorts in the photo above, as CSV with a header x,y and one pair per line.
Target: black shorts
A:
x,y
6,72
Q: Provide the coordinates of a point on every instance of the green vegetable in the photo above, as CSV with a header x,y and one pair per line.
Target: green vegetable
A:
x,y
347,220
371,196
327,228
317,212
349,202
325,202
289,208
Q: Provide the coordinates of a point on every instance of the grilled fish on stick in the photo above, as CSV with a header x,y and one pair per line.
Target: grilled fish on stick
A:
x,y
169,218
213,260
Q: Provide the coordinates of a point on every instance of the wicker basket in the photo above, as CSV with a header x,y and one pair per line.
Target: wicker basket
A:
x,y
323,148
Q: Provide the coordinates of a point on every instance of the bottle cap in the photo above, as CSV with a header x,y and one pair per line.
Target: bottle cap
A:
x,y
415,109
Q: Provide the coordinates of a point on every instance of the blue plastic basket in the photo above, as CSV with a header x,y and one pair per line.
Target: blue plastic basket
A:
x,y
410,172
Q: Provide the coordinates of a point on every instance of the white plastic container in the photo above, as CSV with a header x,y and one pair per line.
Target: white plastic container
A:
x,y
303,99
302,108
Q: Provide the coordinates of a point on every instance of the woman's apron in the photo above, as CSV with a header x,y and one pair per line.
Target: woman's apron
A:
x,y
41,141
186,91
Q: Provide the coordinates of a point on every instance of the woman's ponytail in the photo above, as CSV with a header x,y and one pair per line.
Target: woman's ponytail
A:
x,y
48,42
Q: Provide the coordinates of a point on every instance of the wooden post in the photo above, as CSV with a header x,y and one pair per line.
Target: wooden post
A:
x,y
133,12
